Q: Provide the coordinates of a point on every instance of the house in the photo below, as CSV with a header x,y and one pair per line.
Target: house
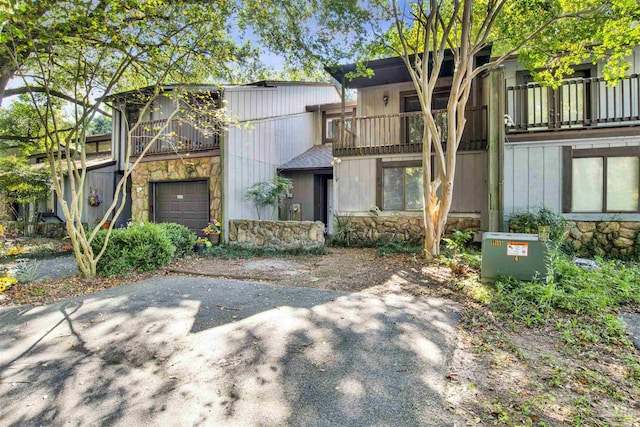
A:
x,y
198,176
377,166
101,179
574,150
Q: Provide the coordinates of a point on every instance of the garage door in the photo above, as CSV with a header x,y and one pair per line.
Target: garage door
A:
x,y
183,202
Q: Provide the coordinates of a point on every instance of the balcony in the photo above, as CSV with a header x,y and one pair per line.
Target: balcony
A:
x,y
402,133
175,136
580,103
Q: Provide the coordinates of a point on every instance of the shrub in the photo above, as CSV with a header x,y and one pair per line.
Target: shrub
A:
x,y
182,239
528,222
141,247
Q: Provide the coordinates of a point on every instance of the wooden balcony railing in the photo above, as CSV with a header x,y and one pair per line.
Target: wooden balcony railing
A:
x,y
578,103
175,136
402,133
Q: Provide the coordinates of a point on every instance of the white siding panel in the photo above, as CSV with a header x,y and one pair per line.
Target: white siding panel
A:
x,y
536,177
254,154
508,184
521,178
553,178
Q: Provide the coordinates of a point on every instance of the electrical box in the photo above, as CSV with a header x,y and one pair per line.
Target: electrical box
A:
x,y
522,256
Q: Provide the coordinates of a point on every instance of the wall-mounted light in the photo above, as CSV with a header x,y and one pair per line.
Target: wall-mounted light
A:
x,y
385,99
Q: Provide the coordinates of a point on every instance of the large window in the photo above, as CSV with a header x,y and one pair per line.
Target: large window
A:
x,y
413,125
400,186
602,180
330,125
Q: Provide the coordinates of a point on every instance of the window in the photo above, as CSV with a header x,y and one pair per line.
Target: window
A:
x,y
400,186
602,180
414,124
330,122
566,106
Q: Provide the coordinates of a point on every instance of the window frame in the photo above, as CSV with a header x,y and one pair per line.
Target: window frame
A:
x,y
348,114
568,154
404,134
380,166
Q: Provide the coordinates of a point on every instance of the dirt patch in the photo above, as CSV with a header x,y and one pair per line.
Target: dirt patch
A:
x,y
342,269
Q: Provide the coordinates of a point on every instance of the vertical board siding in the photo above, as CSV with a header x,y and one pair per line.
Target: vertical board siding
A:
x,y
356,182
254,154
533,173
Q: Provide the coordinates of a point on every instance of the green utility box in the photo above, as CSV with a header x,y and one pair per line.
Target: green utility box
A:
x,y
519,255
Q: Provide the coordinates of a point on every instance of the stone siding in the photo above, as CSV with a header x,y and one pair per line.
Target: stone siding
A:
x,y
402,228
607,238
276,234
175,170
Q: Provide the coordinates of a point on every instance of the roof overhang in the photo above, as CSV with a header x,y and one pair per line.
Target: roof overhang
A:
x,y
393,70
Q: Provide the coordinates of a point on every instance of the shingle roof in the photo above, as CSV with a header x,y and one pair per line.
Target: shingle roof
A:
x,y
319,156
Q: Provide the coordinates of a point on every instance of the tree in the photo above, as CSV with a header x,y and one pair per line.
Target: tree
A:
x,y
266,194
554,34
25,185
99,125
115,46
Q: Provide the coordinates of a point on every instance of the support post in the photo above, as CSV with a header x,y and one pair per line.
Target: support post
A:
x,y
495,154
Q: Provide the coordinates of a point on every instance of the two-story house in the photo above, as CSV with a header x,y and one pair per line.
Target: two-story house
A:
x,y
574,150
378,161
199,176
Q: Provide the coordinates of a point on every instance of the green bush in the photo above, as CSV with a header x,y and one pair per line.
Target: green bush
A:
x,y
141,247
528,222
182,239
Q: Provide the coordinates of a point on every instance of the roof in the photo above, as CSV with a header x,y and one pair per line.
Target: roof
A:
x,y
335,105
214,87
317,157
93,163
394,70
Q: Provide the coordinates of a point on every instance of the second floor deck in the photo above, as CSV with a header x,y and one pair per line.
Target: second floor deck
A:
x,y
173,136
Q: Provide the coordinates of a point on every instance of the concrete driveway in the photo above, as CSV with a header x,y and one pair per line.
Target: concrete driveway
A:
x,y
182,351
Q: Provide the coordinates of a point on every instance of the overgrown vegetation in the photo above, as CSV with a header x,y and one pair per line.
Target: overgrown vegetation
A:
x,y
529,222
141,247
182,239
234,252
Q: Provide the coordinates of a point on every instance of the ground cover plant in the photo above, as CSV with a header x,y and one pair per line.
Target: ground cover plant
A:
x,y
546,352
233,252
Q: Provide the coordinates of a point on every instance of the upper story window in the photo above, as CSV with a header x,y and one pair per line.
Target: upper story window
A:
x,y
544,107
602,180
413,126
330,125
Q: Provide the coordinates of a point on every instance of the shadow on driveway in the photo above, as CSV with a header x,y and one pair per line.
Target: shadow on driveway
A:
x,y
198,351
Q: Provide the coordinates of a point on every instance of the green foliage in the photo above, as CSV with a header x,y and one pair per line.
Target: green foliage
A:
x,y
141,247
268,193
409,248
528,222
458,241
99,125
182,239
594,292
343,230
234,252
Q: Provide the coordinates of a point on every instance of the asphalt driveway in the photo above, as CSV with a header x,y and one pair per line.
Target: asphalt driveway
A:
x,y
188,351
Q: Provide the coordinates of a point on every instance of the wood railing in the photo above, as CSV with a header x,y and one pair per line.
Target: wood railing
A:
x,y
402,133
577,104
174,136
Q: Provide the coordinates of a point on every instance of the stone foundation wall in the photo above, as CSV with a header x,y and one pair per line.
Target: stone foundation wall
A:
x,y
276,234
402,228
606,238
175,170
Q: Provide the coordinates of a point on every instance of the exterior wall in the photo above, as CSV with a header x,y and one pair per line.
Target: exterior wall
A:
x,y
102,181
274,128
533,176
253,155
402,228
175,170
355,183
608,238
276,234
303,193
